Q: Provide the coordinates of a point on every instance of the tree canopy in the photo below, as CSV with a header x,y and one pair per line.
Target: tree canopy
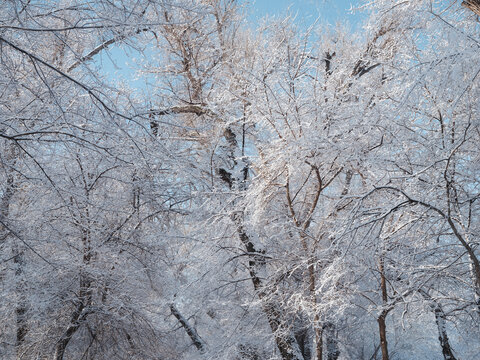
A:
x,y
282,192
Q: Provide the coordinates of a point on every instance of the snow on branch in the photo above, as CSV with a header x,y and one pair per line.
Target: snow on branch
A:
x,y
192,333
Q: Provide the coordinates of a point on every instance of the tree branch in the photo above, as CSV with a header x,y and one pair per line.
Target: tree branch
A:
x,y
473,5
192,333
99,48
186,109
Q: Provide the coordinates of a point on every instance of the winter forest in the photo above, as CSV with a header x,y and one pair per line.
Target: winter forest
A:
x,y
283,192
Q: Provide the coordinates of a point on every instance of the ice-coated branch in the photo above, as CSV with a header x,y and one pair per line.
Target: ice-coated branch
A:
x,y
185,109
189,329
101,47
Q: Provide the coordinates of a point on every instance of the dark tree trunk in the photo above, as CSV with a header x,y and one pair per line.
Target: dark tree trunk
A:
x,y
304,338
442,333
78,317
319,343
383,335
382,328
84,301
284,337
333,352
18,258
21,306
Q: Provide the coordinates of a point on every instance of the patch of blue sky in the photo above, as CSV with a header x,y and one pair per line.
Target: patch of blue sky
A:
x,y
118,63
306,12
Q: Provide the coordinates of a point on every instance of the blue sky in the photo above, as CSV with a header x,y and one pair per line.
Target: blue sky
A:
x,y
327,11
306,12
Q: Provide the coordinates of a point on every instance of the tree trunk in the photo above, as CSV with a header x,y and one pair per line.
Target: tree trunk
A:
x,y
475,263
333,352
440,319
287,344
18,259
383,335
78,317
319,342
442,333
304,337
190,330
316,325
382,328
21,306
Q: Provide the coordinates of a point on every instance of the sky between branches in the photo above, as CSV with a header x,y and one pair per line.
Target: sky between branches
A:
x,y
118,64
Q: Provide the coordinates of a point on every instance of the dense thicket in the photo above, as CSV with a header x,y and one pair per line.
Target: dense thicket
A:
x,y
282,192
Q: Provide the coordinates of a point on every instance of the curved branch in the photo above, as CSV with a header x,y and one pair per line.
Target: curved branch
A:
x,y
471,253
101,47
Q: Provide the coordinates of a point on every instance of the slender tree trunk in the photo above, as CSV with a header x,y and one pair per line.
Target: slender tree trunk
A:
x,y
442,333
7,195
440,320
474,262
18,256
21,306
317,327
318,340
311,279
333,352
76,320
286,344
382,328
190,330
304,337
83,307
383,335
